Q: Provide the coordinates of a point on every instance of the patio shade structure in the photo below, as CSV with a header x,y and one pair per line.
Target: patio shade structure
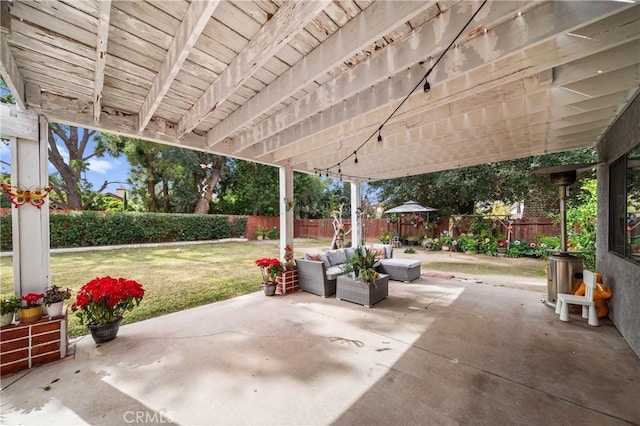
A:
x,y
303,84
410,207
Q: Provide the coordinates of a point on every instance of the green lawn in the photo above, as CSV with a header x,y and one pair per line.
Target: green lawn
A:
x,y
180,277
174,278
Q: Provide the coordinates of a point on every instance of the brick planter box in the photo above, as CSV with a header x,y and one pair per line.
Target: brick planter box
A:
x,y
24,346
288,282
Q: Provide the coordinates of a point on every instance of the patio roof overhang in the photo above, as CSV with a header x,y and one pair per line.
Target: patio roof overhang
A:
x,y
304,84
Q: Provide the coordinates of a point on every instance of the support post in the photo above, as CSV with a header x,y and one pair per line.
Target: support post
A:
x,y
30,225
286,208
356,216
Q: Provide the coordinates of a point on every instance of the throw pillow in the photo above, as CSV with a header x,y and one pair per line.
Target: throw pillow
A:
x,y
337,257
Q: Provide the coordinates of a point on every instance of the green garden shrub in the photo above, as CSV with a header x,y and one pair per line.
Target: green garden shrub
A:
x,y
238,226
86,229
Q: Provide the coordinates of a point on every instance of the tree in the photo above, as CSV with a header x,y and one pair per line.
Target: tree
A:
x,y
72,191
251,188
458,191
169,178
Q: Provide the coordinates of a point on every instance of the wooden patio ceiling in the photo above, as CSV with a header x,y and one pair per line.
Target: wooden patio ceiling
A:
x,y
305,84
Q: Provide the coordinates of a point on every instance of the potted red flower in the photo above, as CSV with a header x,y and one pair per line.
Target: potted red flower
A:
x,y
102,302
32,311
270,269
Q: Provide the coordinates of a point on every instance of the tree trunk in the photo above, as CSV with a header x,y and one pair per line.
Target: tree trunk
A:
x,y
202,206
165,196
151,185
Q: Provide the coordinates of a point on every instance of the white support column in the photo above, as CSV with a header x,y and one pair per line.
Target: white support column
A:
x,y
30,225
356,217
286,208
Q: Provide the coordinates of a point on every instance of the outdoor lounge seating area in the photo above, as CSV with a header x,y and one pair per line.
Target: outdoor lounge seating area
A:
x,y
319,273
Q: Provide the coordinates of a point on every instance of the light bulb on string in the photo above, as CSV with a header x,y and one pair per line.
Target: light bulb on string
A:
x,y
355,153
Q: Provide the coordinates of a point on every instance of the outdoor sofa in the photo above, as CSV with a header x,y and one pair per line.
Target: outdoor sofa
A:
x,y
317,273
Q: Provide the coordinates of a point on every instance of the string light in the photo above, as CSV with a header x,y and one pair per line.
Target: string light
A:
x,y
426,87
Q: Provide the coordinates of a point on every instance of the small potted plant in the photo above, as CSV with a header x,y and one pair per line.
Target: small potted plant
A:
x,y
363,266
102,302
54,298
364,285
8,307
32,309
270,269
446,241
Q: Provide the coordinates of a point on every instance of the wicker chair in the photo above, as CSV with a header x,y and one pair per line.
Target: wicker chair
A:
x,y
312,275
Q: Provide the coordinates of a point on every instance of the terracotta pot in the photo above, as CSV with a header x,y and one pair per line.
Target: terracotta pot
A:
x,y
30,314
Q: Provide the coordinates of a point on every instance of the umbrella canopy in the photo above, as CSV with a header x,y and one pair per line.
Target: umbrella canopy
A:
x,y
410,207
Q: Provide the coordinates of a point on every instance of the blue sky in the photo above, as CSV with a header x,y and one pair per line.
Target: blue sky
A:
x,y
100,169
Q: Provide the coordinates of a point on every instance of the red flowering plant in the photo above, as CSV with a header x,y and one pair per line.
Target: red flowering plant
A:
x,y
106,299
270,269
288,257
32,300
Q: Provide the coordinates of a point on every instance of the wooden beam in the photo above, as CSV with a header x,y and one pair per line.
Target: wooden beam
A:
x,y
104,16
18,123
79,113
10,72
192,25
353,93
291,18
493,74
427,42
373,23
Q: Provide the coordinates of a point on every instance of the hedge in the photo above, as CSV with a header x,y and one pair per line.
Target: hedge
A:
x,y
86,229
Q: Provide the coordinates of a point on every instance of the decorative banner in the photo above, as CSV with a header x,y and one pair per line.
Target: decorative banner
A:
x,y
20,196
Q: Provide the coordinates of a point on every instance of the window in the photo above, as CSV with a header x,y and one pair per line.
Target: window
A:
x,y
624,206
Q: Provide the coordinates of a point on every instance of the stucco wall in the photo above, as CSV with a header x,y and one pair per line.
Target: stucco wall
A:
x,y
621,274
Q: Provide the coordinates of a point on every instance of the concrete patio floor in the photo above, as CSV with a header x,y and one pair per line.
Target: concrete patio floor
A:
x,y
436,351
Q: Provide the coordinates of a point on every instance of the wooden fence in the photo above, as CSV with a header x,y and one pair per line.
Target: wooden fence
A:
x,y
525,229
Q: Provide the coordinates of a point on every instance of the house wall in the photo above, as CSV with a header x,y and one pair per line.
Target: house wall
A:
x,y
620,274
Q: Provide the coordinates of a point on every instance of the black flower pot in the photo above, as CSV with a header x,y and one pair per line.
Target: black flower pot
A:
x,y
103,333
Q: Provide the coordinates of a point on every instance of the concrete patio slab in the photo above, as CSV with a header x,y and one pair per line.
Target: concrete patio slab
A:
x,y
435,352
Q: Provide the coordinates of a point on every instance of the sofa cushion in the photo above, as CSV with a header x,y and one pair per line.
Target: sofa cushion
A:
x,y
333,272
380,253
349,252
325,259
388,248
336,257
315,256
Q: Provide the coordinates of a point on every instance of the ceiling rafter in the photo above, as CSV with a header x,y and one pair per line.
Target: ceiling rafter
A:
x,y
372,24
517,64
11,73
426,42
195,19
290,19
601,63
104,16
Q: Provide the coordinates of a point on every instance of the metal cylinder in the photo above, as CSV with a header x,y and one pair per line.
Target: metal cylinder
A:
x,y
560,273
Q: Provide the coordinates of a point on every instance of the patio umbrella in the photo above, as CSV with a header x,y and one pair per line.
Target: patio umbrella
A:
x,y
410,207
